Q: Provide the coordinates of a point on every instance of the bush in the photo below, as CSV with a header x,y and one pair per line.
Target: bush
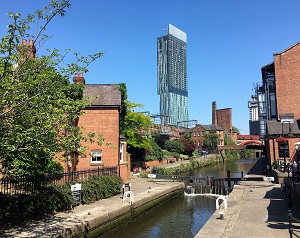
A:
x,y
23,207
51,199
96,188
186,167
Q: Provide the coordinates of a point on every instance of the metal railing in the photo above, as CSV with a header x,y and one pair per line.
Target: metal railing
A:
x,y
30,184
291,230
293,171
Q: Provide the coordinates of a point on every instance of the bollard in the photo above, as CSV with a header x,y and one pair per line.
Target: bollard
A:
x,y
222,215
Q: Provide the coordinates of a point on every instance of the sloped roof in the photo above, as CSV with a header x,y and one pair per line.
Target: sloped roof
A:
x,y
212,127
279,53
103,95
278,128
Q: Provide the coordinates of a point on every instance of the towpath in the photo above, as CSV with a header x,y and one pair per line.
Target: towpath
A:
x,y
256,209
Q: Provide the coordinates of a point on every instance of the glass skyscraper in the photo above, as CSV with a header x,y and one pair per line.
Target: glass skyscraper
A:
x,y
172,77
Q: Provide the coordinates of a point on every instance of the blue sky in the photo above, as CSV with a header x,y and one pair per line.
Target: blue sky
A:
x,y
227,43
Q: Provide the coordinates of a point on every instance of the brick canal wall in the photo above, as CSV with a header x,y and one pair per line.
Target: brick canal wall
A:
x,y
105,224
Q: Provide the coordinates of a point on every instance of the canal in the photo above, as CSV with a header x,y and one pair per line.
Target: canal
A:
x,y
184,216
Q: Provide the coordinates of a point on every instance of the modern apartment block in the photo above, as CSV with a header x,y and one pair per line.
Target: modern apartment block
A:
x,y
253,116
278,105
172,77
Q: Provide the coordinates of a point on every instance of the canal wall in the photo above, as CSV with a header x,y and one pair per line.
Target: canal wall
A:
x,y
104,216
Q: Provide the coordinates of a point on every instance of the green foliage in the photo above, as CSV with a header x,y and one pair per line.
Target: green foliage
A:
x,y
123,111
187,136
51,199
54,167
96,188
227,140
188,166
211,141
38,106
235,130
136,126
175,146
236,154
155,152
246,153
175,155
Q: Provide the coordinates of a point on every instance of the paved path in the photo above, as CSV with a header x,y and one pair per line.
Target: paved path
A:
x,y
65,223
256,209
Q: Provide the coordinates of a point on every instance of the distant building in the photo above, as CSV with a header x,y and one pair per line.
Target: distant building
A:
x,y
197,134
172,77
222,117
253,116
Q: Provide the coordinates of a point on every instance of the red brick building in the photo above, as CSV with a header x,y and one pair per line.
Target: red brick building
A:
x,y
279,112
102,117
198,132
222,117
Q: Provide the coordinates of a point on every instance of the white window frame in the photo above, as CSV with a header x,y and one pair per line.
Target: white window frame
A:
x,y
121,152
96,156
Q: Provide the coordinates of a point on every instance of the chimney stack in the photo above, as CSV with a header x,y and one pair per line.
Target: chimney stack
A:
x,y
78,79
32,49
214,113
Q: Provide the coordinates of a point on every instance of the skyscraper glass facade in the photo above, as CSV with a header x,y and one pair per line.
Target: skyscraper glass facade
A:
x,y
172,77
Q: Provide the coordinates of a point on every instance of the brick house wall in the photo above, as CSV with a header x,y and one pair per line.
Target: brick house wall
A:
x,y
287,75
102,116
105,122
198,132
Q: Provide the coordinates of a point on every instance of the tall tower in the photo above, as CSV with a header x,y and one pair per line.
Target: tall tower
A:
x,y
172,77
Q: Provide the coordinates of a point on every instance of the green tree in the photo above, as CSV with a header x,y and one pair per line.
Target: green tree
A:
x,y
175,146
134,125
155,153
38,105
211,141
235,130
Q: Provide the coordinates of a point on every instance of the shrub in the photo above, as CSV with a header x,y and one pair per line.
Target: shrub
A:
x,y
49,199
96,188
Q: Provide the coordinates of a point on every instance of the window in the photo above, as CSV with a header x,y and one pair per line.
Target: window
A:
x,y
96,156
198,133
283,149
121,152
195,133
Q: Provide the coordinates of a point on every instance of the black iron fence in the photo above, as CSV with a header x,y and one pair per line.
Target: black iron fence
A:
x,y
30,184
292,230
293,171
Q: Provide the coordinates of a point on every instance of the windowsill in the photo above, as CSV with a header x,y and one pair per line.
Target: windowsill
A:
x,y
96,164
122,163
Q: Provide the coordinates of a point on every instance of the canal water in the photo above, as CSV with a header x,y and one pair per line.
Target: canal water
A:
x,y
183,216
